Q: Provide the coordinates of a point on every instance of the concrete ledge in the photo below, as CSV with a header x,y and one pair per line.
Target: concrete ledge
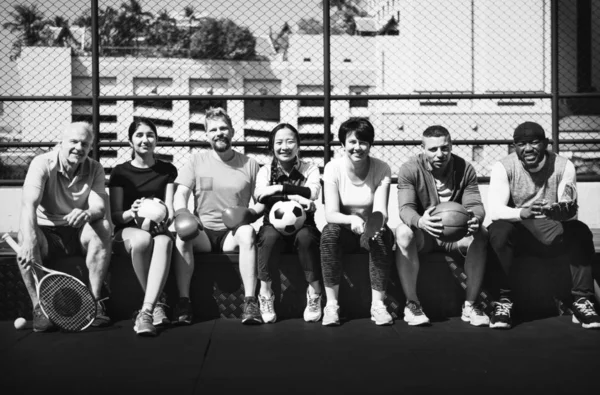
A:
x,y
217,290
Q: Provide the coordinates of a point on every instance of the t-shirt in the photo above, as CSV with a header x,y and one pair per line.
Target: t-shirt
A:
x,y
61,194
138,183
357,199
218,185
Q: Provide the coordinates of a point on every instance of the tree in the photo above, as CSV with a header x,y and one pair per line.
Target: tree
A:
x,y
341,21
390,28
28,22
132,23
222,39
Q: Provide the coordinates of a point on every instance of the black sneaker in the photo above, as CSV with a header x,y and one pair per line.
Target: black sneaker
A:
x,y
251,314
182,314
501,315
101,318
585,314
41,323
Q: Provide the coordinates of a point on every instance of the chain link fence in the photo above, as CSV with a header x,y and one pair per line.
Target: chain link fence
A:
x,y
477,67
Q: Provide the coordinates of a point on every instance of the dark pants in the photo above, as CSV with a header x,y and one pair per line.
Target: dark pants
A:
x,y
271,244
547,238
337,240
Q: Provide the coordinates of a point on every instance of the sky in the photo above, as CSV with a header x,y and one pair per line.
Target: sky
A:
x,y
257,15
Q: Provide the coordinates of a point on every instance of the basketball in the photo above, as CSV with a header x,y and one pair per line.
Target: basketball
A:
x,y
287,217
152,211
454,218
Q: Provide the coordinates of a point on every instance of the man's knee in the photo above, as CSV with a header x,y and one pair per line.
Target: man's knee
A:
x,y
499,232
404,236
100,231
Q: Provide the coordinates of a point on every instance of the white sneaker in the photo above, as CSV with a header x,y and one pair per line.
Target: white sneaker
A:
x,y
159,316
331,315
312,312
267,309
474,315
414,315
380,315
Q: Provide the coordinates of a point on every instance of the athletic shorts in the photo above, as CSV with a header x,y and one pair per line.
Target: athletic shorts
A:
x,y
216,239
62,241
118,242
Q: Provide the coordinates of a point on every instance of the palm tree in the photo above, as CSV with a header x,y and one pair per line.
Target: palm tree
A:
x,y
133,22
28,23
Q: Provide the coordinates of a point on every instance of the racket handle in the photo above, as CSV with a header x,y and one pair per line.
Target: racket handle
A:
x,y
11,242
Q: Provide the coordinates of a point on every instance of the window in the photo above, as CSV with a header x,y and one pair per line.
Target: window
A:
x,y
262,110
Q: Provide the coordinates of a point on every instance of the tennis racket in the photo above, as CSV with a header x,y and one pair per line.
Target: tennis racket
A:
x,y
64,299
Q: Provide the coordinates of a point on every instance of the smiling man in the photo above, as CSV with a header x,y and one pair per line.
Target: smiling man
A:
x,y
432,177
62,214
220,178
533,204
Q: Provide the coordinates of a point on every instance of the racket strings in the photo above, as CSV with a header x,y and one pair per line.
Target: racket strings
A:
x,y
67,302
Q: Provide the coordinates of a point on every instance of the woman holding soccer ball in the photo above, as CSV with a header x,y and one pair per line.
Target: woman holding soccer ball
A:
x,y
288,178
355,186
142,177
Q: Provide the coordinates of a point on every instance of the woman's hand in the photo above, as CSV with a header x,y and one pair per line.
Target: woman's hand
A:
x,y
357,224
268,191
307,204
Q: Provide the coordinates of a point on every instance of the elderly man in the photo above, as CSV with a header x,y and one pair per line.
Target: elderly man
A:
x,y
63,214
533,204
435,176
220,178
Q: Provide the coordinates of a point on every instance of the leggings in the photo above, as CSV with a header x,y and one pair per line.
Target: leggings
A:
x,y
271,243
337,240
545,238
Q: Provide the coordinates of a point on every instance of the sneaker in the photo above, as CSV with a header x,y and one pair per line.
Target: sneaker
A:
x,y
101,318
159,316
474,315
143,324
267,308
41,323
313,311
585,314
380,315
414,315
501,316
251,314
182,315
331,315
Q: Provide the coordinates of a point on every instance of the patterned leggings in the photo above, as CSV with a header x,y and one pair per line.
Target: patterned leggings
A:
x,y
337,240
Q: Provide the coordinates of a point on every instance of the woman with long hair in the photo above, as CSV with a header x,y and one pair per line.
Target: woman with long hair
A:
x,y
288,178
355,185
142,177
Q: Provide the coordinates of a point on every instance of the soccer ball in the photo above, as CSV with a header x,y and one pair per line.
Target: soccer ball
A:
x,y
287,217
152,211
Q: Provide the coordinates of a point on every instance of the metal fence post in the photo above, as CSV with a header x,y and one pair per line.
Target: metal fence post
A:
x,y
95,81
326,82
554,70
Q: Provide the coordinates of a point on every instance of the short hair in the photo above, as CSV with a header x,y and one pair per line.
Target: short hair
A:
x,y
361,127
135,125
436,131
277,129
85,125
529,131
216,113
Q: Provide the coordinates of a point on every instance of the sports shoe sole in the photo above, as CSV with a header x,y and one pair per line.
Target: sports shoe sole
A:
x,y
500,325
269,321
316,319
417,323
146,333
185,321
467,319
380,323
595,325
252,321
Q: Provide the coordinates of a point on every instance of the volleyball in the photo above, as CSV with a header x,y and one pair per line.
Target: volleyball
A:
x,y
287,217
152,211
